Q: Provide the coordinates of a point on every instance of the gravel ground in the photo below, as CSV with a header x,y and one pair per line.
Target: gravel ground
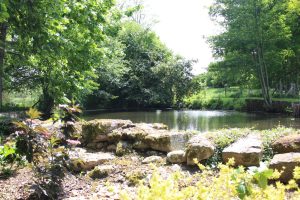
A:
x,y
125,174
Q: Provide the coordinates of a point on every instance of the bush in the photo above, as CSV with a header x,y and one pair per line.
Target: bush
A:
x,y
6,126
229,183
46,150
9,158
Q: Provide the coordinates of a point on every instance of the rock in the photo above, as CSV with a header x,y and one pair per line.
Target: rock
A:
x,y
160,126
176,157
134,158
140,145
98,130
96,146
290,143
166,141
101,171
246,151
288,161
134,133
176,168
77,151
199,148
152,159
80,159
101,145
111,147
91,145
154,136
122,148
152,153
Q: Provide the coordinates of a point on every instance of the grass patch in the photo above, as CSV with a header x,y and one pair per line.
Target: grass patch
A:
x,y
17,101
231,99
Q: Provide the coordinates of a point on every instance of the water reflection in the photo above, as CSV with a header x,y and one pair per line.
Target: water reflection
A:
x,y
204,120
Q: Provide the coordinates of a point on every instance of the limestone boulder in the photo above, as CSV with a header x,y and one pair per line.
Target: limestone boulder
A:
x,y
134,133
123,147
176,157
101,171
199,148
97,146
152,159
290,143
167,141
286,162
81,160
140,145
246,151
160,126
98,130
111,147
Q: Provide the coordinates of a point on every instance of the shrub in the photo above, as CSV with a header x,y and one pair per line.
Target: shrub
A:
x,y
9,158
44,150
229,183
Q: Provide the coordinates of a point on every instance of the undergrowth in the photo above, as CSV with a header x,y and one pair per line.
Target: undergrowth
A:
x,y
229,183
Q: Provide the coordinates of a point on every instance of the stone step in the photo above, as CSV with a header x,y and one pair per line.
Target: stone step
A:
x,y
246,151
80,159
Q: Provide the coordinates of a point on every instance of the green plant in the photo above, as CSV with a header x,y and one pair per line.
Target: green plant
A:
x,y
262,177
9,158
135,177
228,183
43,151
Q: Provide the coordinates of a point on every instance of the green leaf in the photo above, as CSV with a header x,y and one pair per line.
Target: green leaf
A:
x,y
262,177
33,113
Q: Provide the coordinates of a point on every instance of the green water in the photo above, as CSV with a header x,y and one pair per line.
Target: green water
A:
x,y
203,120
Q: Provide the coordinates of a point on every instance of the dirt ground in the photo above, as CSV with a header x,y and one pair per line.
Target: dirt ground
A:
x,y
125,175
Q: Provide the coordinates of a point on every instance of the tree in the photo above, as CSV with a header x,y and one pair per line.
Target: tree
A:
x,y
143,72
255,33
57,45
154,73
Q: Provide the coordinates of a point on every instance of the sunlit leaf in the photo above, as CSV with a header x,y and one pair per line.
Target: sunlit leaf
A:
x,y
33,113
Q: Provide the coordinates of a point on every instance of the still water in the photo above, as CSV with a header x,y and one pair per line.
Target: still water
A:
x,y
204,120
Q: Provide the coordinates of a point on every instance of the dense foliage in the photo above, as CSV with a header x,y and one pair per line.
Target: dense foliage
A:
x,y
67,49
147,75
258,47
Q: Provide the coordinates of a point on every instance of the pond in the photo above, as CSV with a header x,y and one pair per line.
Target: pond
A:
x,y
204,120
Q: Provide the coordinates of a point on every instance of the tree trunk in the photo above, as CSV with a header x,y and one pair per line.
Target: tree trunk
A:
x,y
259,59
46,104
3,33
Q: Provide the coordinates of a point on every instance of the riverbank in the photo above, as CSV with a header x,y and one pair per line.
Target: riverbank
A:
x,y
112,163
235,99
